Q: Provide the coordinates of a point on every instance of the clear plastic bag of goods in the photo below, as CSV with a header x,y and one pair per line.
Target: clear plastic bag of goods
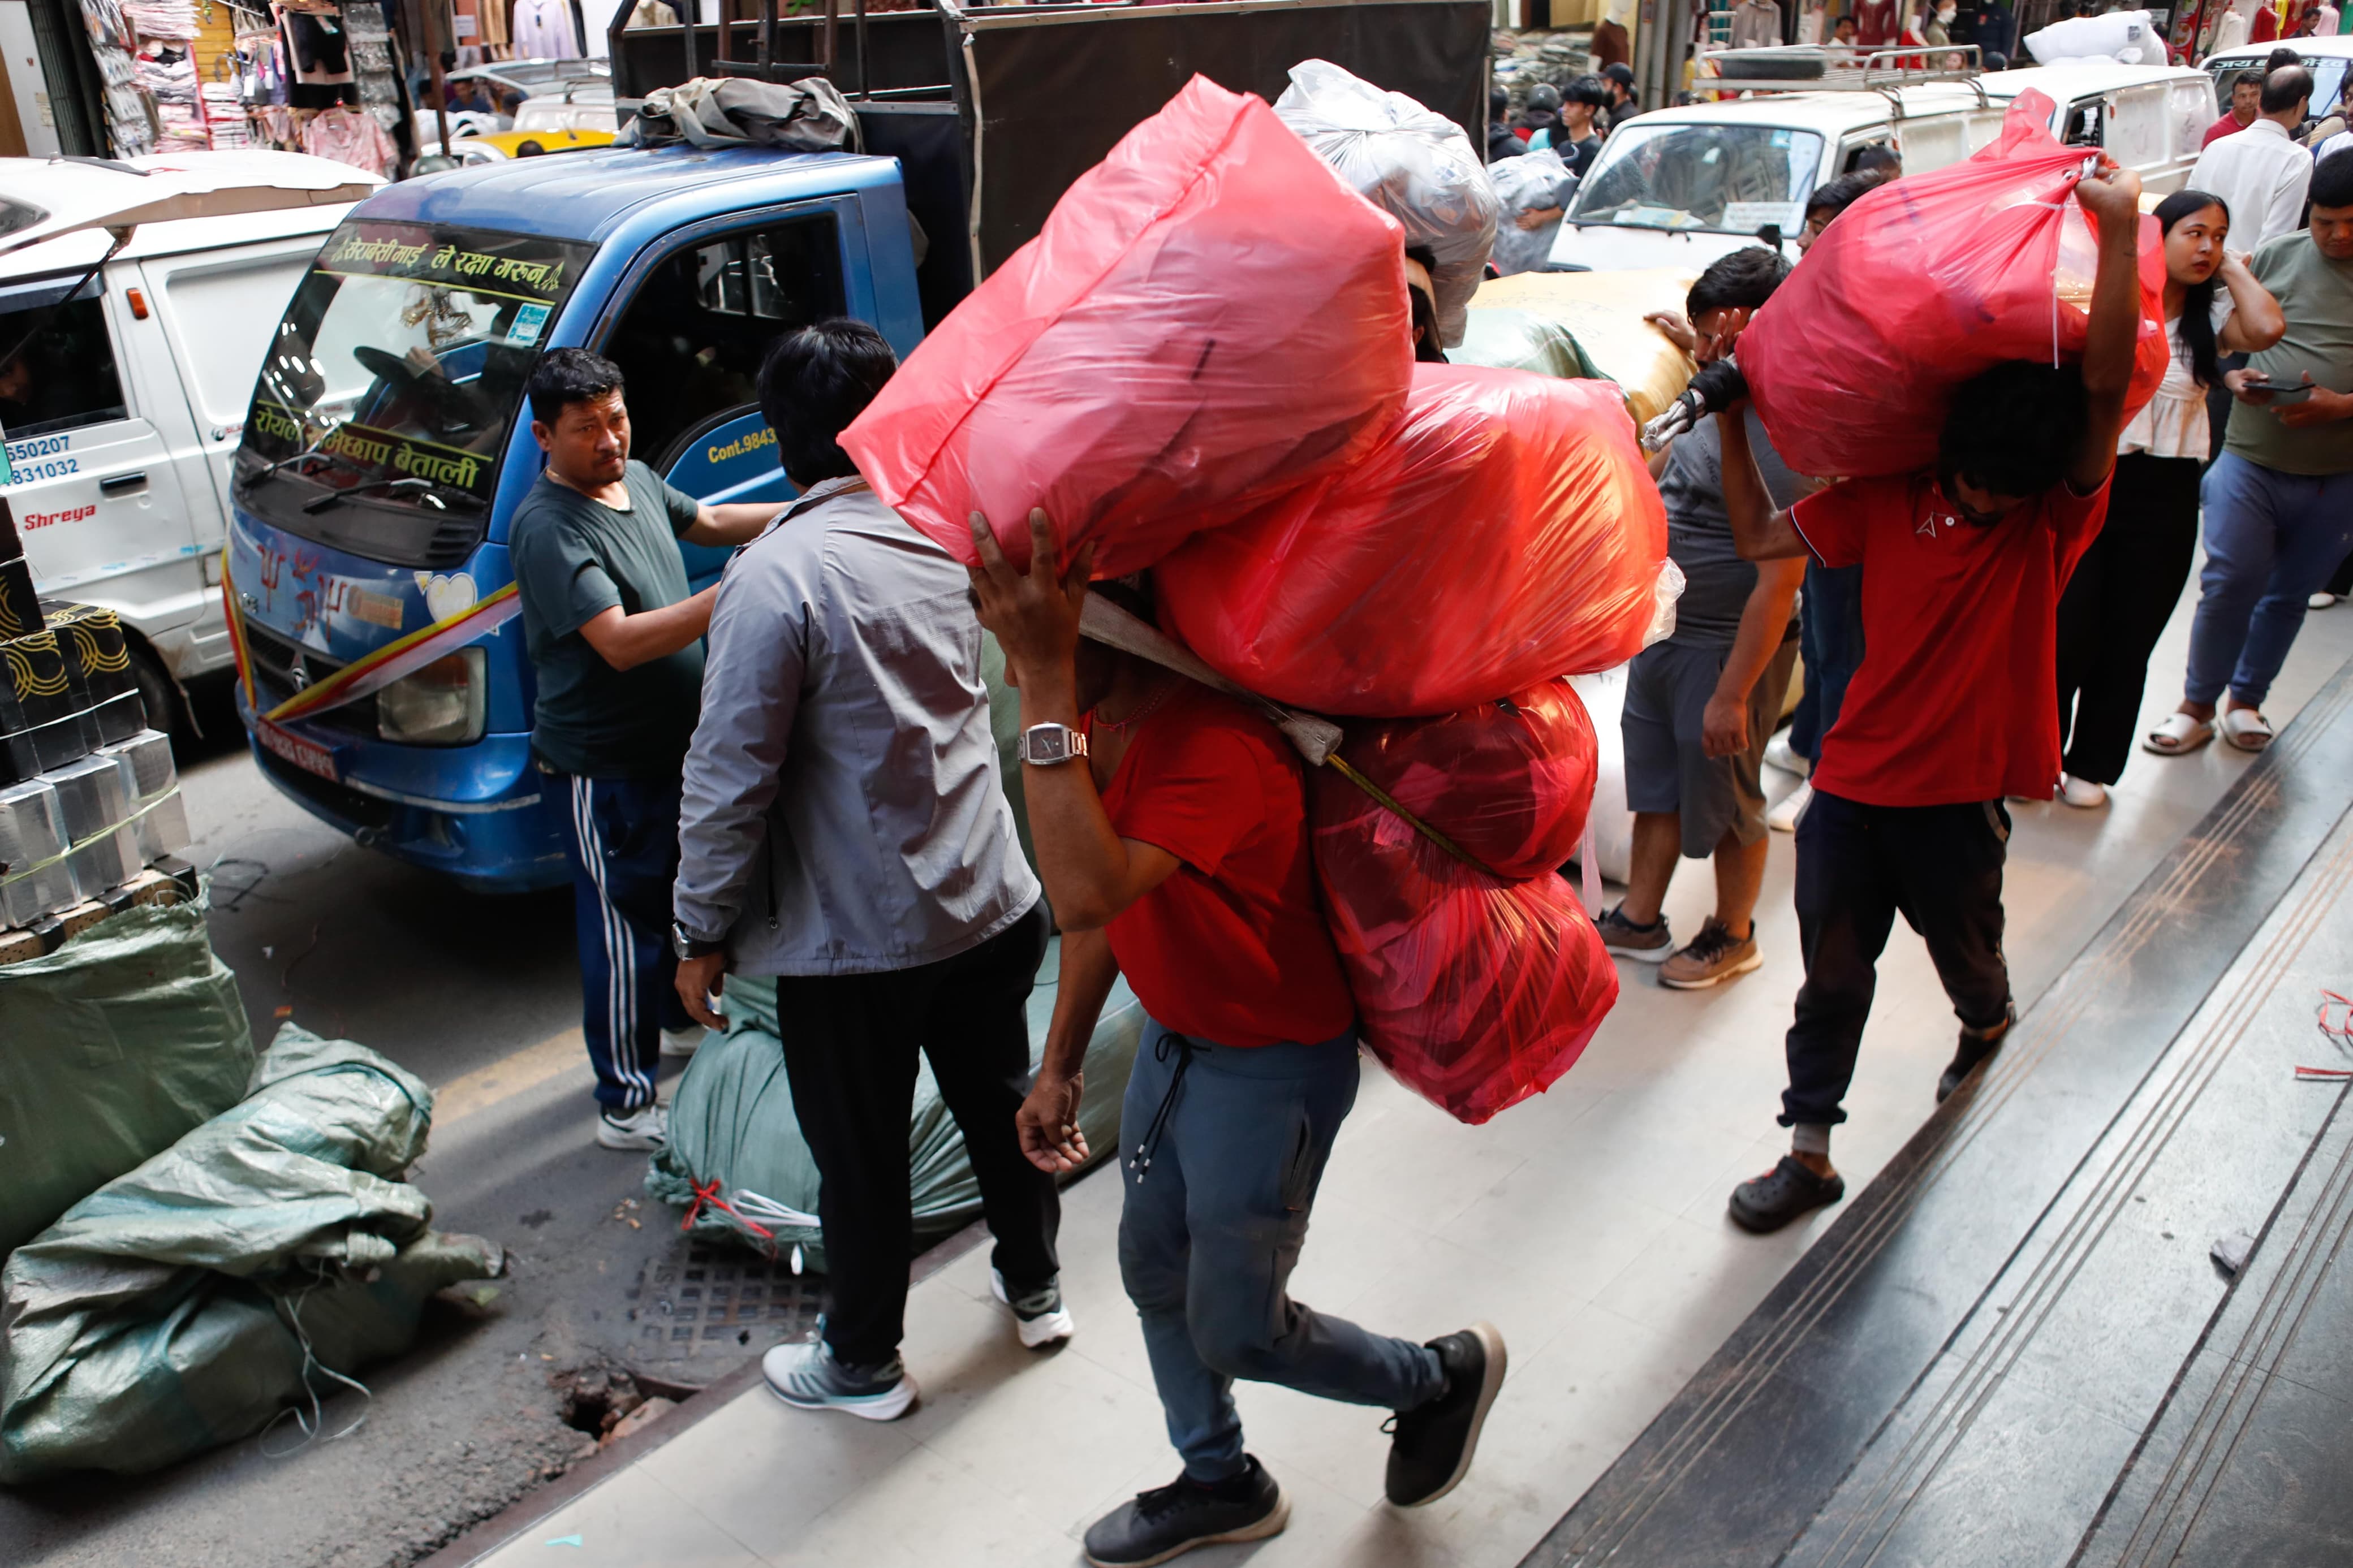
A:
x,y
1412,163
1475,992
2107,36
232,1281
1505,532
1926,282
1208,319
1533,182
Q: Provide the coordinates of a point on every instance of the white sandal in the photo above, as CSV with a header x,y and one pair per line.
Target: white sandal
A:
x,y
2246,729
2177,734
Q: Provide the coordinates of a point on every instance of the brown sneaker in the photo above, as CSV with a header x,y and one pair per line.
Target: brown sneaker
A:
x,y
1644,944
1714,954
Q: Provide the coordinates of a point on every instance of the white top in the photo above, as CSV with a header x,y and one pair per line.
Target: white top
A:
x,y
2262,177
2174,422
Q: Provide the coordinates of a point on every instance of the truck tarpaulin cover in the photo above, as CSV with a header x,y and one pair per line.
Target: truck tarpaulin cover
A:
x,y
237,1275
1924,283
1475,992
1208,320
1415,166
1505,532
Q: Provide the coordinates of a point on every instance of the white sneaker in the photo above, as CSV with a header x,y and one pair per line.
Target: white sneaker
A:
x,y
809,1377
1779,753
681,1043
2322,601
1783,818
2082,793
648,1127
1040,1316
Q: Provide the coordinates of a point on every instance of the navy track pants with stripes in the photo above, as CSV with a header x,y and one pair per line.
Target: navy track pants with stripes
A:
x,y
621,837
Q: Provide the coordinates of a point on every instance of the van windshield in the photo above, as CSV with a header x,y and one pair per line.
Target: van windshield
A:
x,y
385,399
1726,179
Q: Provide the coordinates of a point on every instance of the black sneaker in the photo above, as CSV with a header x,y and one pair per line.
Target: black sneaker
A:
x,y
1782,1194
1975,1047
1643,944
1170,1521
1432,1444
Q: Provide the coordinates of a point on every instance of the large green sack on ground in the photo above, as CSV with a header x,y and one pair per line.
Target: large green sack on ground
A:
x,y
235,1276
732,1121
110,1048
1502,338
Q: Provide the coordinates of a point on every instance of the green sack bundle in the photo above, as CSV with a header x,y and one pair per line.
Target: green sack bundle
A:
x,y
732,1122
265,1258
110,1048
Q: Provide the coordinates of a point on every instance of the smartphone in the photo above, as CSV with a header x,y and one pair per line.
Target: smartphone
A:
x,y
2284,393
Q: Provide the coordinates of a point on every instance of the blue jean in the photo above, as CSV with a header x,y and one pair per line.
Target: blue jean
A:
x,y
2272,541
1212,1226
621,837
1830,639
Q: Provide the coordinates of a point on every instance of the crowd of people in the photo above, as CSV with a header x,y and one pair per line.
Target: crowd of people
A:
x,y
791,778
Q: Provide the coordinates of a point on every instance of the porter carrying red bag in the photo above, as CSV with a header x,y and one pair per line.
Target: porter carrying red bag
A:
x,y
1505,532
1474,990
1929,281
1207,318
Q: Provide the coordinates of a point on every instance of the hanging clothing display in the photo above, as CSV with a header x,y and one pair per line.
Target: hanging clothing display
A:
x,y
168,75
543,30
131,126
372,68
320,58
351,136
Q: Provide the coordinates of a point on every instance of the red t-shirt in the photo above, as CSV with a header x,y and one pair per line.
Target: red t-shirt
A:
x,y
2227,126
1956,699
1231,948
2266,26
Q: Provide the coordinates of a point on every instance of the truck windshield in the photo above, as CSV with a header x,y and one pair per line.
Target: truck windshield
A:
x,y
385,400
1727,179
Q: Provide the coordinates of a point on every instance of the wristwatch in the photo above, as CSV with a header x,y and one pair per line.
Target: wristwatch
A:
x,y
1043,746
685,946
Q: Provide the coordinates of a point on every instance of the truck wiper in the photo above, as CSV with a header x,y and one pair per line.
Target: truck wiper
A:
x,y
307,454
406,483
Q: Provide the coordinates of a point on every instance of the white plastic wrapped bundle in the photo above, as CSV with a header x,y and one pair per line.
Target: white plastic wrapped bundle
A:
x,y
1533,182
2115,35
1413,164
32,833
92,799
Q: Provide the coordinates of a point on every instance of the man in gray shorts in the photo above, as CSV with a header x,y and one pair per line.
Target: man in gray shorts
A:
x,y
1700,705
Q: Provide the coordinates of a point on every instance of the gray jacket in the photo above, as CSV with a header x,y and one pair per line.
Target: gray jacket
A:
x,y
842,812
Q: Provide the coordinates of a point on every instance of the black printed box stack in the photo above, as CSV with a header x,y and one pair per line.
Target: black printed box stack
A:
x,y
89,795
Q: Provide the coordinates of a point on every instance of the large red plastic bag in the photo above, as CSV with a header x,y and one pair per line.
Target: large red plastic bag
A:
x,y
1206,318
1474,992
1924,283
1506,532
1413,164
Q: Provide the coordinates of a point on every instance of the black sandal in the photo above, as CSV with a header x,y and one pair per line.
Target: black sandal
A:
x,y
1782,1194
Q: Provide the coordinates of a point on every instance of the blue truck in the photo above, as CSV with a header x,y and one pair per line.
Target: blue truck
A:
x,y
386,447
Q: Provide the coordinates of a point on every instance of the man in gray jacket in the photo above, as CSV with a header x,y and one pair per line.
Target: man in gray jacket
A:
x,y
844,829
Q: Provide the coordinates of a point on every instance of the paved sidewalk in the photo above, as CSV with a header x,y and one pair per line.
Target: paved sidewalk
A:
x,y
1588,1223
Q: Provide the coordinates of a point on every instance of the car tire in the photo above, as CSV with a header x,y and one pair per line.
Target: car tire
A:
x,y
166,704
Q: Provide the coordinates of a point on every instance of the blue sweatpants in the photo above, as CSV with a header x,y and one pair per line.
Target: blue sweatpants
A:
x,y
1235,1140
621,837
2272,541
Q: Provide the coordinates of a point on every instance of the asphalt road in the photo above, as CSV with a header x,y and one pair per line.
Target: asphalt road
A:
x,y
480,998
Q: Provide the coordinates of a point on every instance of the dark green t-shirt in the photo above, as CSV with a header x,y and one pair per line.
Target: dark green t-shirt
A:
x,y
574,560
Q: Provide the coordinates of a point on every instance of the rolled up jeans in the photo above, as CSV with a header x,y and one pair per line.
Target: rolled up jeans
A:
x,y
1235,1141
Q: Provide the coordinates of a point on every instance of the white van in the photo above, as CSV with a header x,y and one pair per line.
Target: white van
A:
x,y
2150,119
124,408
1679,187
2329,59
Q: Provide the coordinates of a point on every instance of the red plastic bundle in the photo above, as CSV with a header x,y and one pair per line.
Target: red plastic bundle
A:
x,y
1924,283
1474,992
1505,532
1207,318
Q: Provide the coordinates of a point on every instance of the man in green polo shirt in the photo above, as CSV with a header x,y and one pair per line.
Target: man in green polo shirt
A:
x,y
616,644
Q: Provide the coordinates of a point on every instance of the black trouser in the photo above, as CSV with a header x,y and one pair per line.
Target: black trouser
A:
x,y
851,1043
1857,865
2342,583
2115,607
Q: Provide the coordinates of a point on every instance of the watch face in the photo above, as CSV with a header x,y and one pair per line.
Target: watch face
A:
x,y
1046,743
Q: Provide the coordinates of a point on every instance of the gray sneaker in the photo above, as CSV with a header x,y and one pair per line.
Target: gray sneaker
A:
x,y
809,1377
1643,944
1714,956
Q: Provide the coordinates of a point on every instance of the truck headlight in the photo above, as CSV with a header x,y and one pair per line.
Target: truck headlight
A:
x,y
440,705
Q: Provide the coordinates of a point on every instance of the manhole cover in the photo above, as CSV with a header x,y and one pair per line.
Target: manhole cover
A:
x,y
715,1305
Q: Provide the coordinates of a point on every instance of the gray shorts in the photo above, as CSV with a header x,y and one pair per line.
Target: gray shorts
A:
x,y
1668,770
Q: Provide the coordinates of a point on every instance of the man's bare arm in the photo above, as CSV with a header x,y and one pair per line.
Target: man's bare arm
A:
x,y
1759,531
2112,196
626,641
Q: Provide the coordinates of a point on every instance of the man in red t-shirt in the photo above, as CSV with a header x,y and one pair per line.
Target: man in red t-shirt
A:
x,y
1955,702
2246,103
1170,824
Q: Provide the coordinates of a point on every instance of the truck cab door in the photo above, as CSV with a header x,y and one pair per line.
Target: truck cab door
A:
x,y
700,314
97,501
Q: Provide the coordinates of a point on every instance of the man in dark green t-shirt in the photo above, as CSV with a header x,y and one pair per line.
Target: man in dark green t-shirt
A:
x,y
616,643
